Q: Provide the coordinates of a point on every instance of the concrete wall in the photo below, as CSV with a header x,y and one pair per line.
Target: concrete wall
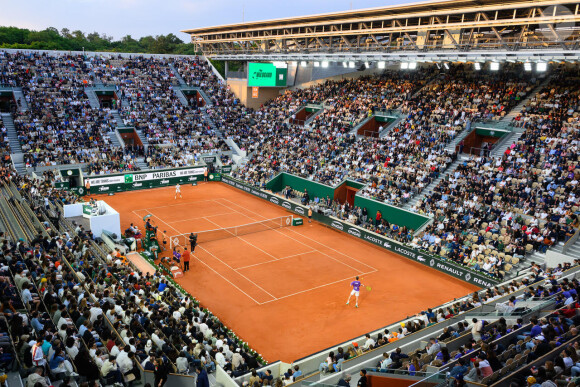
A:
x,y
241,90
553,258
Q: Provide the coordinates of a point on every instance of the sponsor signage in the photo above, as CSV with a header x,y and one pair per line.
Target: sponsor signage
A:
x,y
144,180
131,178
421,257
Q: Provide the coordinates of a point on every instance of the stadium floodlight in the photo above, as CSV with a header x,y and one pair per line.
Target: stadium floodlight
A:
x,y
345,64
303,63
351,65
324,63
494,66
404,65
541,66
477,66
446,66
412,65
316,64
381,65
528,66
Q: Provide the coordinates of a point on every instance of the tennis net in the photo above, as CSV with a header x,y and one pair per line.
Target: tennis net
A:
x,y
182,240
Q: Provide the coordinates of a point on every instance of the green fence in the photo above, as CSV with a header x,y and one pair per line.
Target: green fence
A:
x,y
443,265
392,214
300,184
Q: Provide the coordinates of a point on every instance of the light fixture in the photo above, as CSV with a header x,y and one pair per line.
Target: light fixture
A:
x,y
412,65
528,66
303,63
381,65
404,65
324,63
316,64
367,65
477,66
494,66
351,65
344,64
446,66
541,66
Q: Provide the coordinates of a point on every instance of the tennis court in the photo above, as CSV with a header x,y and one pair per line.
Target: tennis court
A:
x,y
283,289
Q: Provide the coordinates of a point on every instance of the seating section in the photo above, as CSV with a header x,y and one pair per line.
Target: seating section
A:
x,y
479,351
80,309
490,212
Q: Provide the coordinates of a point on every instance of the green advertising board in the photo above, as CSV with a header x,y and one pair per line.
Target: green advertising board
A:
x,y
425,258
143,180
266,75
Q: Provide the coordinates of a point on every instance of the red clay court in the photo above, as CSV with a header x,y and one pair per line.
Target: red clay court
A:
x,y
284,291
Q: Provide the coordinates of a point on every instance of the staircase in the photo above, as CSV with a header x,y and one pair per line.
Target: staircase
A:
x,y
427,190
115,139
118,119
11,132
391,126
19,97
507,140
212,124
518,108
92,97
142,137
453,144
140,162
179,93
574,250
204,95
97,81
178,76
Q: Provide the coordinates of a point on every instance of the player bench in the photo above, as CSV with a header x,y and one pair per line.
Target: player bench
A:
x,y
172,268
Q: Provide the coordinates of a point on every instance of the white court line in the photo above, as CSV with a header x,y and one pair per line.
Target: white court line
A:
x,y
180,204
203,217
240,238
240,274
227,280
275,260
274,298
215,271
290,229
314,288
304,244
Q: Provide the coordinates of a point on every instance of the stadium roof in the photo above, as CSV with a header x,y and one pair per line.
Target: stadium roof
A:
x,y
463,25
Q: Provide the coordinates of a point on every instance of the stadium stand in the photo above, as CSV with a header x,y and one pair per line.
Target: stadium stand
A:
x,y
97,318
493,211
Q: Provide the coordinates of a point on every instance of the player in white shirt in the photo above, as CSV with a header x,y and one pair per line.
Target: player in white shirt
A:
x,y
178,191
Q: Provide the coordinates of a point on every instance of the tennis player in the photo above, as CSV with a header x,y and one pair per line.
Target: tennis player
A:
x,y
178,191
356,284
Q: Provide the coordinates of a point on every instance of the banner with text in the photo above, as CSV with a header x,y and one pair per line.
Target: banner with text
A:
x,y
143,180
